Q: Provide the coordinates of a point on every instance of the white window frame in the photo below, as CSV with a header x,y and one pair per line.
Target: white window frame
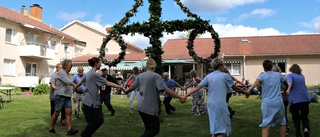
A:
x,y
53,44
34,39
31,73
10,63
78,50
51,69
13,36
232,68
276,63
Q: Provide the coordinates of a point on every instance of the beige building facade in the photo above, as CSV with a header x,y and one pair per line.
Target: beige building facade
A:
x,y
92,39
30,49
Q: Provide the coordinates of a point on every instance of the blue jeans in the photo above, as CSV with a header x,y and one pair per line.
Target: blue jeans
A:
x,y
62,102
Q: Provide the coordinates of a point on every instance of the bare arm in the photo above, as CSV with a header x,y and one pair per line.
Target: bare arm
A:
x,y
256,83
114,85
53,85
238,81
169,91
125,84
240,90
177,84
289,88
192,91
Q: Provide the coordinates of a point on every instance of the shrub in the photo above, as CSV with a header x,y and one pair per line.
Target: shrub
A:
x,y
41,89
314,87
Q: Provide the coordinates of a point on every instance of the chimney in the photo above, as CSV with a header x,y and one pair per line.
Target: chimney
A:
x,y
36,12
24,11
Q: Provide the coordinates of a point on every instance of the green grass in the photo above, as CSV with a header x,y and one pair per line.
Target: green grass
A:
x,y
29,117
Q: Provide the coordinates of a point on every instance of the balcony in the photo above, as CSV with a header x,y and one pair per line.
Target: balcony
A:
x,y
32,79
36,50
28,80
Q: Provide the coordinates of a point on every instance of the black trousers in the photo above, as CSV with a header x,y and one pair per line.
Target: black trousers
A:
x,y
227,99
285,103
167,105
105,98
300,112
63,112
94,118
151,125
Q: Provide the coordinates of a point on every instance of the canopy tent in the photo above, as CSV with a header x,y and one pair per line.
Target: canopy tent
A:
x,y
120,66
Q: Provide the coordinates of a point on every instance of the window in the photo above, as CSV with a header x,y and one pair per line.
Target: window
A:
x,y
33,39
78,50
281,64
11,36
31,69
51,69
53,44
9,67
234,68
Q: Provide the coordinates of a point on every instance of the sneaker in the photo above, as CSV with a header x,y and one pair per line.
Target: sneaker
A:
x,y
52,130
130,113
72,131
112,112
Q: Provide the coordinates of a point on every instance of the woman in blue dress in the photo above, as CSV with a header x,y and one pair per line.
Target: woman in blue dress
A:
x,y
217,83
272,107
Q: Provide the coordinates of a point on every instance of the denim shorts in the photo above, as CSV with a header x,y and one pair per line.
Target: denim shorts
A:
x,y
62,102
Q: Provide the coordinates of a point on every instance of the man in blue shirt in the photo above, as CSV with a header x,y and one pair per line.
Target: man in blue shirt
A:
x,y
78,93
167,97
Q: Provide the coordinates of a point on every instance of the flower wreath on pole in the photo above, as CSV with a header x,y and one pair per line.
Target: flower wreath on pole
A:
x,y
199,26
115,33
122,53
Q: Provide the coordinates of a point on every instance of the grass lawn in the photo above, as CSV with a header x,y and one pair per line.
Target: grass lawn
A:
x,y
30,117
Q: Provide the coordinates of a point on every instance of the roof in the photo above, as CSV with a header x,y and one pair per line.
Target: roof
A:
x,y
175,49
249,46
128,57
26,21
84,24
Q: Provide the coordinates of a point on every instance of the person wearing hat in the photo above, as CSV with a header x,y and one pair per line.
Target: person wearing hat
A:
x,y
106,90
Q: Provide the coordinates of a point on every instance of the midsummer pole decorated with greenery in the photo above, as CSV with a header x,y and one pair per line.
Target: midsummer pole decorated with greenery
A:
x,y
154,29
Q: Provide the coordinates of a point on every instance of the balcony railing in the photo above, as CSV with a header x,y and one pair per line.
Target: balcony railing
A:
x,y
32,79
36,50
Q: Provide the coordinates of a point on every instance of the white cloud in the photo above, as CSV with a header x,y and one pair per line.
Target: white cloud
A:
x,y
316,24
97,17
262,13
71,16
216,5
220,19
258,13
97,25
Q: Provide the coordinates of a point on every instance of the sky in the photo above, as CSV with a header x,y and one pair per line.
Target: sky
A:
x,y
229,18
